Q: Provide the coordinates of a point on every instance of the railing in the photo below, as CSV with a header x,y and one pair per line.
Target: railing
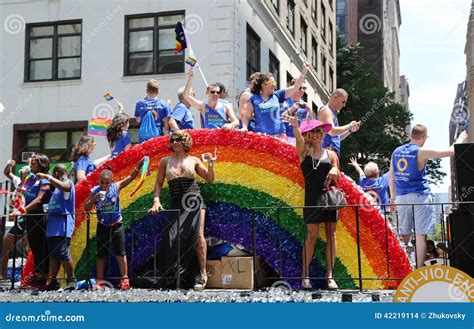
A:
x,y
278,259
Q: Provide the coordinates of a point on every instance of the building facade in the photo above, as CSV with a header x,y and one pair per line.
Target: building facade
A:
x,y
63,56
375,24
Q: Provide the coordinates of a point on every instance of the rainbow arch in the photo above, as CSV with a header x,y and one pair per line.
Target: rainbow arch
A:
x,y
253,171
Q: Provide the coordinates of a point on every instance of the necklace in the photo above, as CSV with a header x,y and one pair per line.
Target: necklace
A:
x,y
314,163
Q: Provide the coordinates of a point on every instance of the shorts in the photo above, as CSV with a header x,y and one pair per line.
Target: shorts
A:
x,y
418,219
19,227
106,234
58,247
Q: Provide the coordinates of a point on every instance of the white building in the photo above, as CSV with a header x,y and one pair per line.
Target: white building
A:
x,y
60,57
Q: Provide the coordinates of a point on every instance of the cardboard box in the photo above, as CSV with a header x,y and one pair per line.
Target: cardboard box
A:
x,y
214,277
237,273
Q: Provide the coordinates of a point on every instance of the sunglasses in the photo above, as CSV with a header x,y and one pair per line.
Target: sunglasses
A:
x,y
215,92
302,88
269,83
176,139
317,130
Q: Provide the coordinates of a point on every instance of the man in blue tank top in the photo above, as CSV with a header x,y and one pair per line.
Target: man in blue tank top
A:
x,y
409,185
214,113
328,114
181,116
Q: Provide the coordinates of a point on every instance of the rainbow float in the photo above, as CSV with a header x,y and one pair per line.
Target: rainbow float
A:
x,y
252,171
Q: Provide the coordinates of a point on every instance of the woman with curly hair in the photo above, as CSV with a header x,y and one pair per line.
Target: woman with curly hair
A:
x,y
264,104
180,170
320,167
117,134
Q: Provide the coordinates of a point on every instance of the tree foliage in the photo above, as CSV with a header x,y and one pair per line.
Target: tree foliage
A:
x,y
385,123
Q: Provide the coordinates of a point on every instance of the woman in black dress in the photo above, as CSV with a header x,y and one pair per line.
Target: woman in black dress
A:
x,y
180,170
320,167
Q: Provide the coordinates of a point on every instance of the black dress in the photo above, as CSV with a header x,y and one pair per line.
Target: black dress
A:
x,y
314,178
185,195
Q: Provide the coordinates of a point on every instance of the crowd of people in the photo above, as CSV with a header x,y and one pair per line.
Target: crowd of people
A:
x,y
282,114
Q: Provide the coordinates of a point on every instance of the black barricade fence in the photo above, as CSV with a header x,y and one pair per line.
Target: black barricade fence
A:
x,y
370,252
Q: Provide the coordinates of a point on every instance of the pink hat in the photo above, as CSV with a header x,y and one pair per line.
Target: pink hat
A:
x,y
308,125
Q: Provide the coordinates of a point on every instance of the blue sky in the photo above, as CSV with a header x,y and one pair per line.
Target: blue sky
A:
x,y
432,41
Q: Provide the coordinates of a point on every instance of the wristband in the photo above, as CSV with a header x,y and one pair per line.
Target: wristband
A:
x,y
210,164
350,128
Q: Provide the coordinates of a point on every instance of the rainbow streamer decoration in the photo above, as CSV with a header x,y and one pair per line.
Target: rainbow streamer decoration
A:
x,y
252,171
98,126
108,97
145,172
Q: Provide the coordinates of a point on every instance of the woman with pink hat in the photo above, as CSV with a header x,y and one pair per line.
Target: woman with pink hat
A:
x,y
319,166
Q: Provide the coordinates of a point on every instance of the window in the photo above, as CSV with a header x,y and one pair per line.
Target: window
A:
x,y
150,44
274,68
304,39
323,69
291,16
315,109
323,21
331,79
314,11
314,53
289,77
341,18
53,51
57,145
253,52
331,40
276,5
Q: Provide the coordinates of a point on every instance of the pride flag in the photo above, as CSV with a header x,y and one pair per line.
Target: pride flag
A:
x,y
145,172
180,38
191,59
98,126
108,97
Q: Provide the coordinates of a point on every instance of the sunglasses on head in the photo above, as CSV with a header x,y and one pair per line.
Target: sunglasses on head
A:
x,y
176,139
215,92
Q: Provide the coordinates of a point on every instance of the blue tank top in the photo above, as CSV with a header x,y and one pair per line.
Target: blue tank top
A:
x,y
332,142
301,113
268,113
214,118
121,143
377,187
108,209
61,213
408,179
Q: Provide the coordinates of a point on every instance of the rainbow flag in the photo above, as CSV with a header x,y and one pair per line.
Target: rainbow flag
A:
x,y
108,97
191,59
180,38
98,126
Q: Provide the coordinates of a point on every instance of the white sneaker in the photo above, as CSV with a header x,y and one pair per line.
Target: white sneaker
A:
x,y
306,283
332,285
200,282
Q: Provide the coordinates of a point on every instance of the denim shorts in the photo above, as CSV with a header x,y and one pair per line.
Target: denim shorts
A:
x,y
423,220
